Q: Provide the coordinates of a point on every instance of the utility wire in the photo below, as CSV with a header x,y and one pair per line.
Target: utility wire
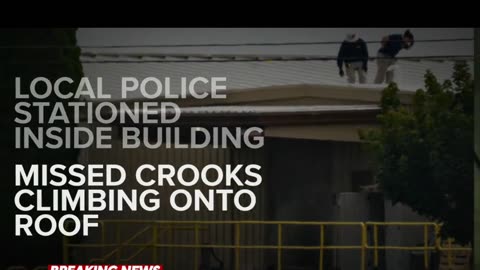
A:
x,y
223,44
265,44
139,59
224,59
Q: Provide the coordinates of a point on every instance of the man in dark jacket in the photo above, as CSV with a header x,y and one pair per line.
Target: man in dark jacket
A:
x,y
391,46
354,53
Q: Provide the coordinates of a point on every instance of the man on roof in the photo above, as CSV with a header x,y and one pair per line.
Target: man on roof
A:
x,y
354,53
391,46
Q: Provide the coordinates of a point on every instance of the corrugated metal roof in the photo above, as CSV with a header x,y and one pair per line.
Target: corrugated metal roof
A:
x,y
245,75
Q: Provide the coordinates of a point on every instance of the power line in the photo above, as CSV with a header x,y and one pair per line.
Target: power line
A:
x,y
229,59
223,44
265,44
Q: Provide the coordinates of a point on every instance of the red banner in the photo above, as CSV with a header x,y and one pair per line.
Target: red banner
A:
x,y
105,267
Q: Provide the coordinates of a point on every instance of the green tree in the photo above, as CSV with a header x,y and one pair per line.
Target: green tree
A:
x,y
424,151
31,53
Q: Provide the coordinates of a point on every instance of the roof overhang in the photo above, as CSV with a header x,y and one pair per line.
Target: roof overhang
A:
x,y
284,94
273,115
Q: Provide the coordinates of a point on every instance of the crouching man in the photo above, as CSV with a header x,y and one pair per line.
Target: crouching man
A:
x,y
391,46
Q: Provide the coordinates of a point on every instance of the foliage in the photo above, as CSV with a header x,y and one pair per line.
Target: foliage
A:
x,y
31,53
424,151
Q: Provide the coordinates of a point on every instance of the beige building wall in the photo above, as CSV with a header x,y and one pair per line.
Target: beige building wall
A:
x,y
131,159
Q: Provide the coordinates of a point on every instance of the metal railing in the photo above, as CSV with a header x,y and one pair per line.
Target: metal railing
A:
x,y
196,226
425,248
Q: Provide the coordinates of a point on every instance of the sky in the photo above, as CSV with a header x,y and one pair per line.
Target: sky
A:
x,y
148,36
